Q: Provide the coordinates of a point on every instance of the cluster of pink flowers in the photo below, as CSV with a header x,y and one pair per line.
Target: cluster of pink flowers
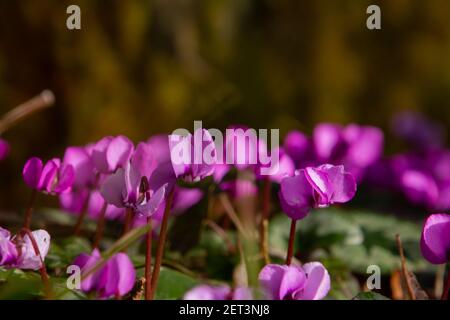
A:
x,y
113,179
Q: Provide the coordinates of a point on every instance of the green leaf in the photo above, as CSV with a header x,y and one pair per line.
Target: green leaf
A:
x,y
370,296
173,284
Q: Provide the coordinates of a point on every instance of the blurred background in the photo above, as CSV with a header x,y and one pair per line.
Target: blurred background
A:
x,y
142,67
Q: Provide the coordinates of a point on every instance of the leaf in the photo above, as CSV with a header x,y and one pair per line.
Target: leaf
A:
x,y
171,284
369,296
18,285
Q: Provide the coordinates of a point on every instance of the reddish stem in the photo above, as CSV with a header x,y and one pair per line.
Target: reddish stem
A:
x,y
100,226
30,209
77,228
161,243
128,220
43,269
148,262
446,286
265,220
290,251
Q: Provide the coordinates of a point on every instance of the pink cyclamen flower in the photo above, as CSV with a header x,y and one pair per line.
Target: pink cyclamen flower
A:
x,y
84,169
315,188
283,282
111,153
52,178
123,188
4,149
18,251
222,292
115,279
194,156
435,240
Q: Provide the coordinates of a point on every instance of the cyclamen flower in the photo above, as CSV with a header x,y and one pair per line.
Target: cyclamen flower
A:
x,y
282,282
123,188
223,292
18,251
115,279
75,202
84,169
193,156
355,146
111,153
4,149
315,188
435,240
52,178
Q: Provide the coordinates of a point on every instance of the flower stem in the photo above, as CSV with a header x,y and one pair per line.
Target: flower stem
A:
x,y
30,208
161,243
446,286
128,220
148,261
77,228
264,228
290,251
100,226
43,269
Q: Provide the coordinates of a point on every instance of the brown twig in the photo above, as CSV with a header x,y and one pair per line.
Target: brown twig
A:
x,y
221,233
128,220
405,272
231,213
41,101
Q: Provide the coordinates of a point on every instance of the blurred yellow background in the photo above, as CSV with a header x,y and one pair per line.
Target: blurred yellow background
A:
x,y
142,67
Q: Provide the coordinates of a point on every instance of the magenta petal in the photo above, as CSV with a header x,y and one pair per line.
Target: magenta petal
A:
x,y
242,293
153,204
49,175
270,279
121,276
419,187
66,177
293,280
343,184
296,196
317,283
112,187
327,139
185,198
160,146
8,250
86,263
28,258
74,201
4,149
319,180
118,152
207,292
143,159
32,172
435,240
98,154
80,160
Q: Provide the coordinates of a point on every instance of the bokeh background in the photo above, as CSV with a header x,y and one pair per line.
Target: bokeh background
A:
x,y
141,67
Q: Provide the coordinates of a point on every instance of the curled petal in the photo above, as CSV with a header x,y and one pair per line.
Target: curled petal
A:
x,y
118,152
296,196
32,172
435,239
317,283
112,187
